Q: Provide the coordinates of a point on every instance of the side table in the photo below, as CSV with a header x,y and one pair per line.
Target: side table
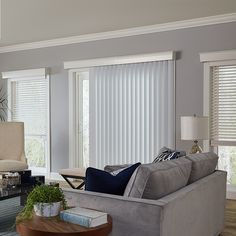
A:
x,y
74,173
40,226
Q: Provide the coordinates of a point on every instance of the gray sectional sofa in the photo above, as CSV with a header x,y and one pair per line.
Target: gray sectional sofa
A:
x,y
182,197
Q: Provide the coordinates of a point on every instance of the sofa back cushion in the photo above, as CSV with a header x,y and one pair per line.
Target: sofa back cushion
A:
x,y
155,180
12,141
203,164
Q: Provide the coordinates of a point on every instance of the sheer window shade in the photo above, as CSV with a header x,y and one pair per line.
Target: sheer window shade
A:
x,y
29,101
223,105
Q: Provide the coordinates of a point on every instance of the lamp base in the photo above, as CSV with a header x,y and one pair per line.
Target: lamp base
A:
x,y
195,148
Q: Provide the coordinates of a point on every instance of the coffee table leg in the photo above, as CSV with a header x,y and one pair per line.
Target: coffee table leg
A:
x,y
23,199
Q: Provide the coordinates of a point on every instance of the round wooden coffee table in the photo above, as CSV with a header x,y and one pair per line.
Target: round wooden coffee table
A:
x,y
39,226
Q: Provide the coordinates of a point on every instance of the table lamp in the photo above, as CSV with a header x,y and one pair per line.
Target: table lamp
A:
x,y
194,128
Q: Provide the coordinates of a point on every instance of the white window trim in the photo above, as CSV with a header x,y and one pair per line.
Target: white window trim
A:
x,y
74,136
32,74
76,67
206,93
209,60
41,72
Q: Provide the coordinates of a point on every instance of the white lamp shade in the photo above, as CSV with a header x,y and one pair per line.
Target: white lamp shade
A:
x,y
194,128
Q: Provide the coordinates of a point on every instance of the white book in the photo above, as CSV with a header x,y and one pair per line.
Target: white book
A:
x,y
84,217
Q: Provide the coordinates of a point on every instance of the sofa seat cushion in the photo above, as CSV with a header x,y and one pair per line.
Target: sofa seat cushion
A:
x,y
155,180
11,165
203,164
104,182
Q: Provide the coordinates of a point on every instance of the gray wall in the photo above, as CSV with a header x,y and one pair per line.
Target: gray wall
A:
x,y
189,71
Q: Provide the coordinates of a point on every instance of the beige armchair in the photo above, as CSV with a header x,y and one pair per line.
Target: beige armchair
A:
x,y
12,151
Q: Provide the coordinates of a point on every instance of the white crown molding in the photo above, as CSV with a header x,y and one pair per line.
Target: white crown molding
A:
x,y
211,20
161,56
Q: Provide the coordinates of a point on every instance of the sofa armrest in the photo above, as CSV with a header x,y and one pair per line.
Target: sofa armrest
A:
x,y
130,216
200,205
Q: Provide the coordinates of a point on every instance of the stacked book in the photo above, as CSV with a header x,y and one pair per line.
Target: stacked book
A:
x,y
84,217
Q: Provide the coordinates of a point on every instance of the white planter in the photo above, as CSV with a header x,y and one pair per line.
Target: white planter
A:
x,y
47,209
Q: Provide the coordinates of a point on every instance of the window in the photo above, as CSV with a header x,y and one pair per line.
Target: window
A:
x,y
121,111
220,106
28,102
223,117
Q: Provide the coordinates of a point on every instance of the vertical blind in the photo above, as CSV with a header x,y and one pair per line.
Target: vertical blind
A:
x,y
132,112
223,105
29,104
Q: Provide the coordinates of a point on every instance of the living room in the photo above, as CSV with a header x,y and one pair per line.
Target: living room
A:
x,y
113,82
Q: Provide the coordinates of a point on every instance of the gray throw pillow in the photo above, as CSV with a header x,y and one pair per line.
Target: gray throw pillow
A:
x,y
203,164
155,180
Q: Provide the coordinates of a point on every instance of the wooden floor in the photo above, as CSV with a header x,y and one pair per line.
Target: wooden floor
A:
x,y
230,219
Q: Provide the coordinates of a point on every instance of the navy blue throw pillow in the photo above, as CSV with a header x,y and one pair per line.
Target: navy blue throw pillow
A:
x,y
104,182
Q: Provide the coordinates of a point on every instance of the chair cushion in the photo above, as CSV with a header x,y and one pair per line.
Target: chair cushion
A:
x,y
11,165
155,180
203,164
104,182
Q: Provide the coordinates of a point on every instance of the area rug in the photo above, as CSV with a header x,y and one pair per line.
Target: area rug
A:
x,y
8,210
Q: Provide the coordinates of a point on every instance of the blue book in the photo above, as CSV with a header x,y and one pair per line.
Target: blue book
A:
x,y
84,217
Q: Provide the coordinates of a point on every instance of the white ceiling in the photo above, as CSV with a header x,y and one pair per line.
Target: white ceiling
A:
x,y
36,20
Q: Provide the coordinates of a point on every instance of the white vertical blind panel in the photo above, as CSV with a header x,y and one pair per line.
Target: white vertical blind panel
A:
x,y
223,104
132,112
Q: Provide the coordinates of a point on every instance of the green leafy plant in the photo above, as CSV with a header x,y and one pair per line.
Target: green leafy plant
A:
x,y
41,194
3,105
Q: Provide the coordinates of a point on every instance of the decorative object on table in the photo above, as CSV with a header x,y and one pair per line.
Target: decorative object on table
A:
x,y
194,128
8,179
166,154
44,200
105,182
84,217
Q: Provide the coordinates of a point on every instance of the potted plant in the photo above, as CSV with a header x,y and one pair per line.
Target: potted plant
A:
x,y
44,200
